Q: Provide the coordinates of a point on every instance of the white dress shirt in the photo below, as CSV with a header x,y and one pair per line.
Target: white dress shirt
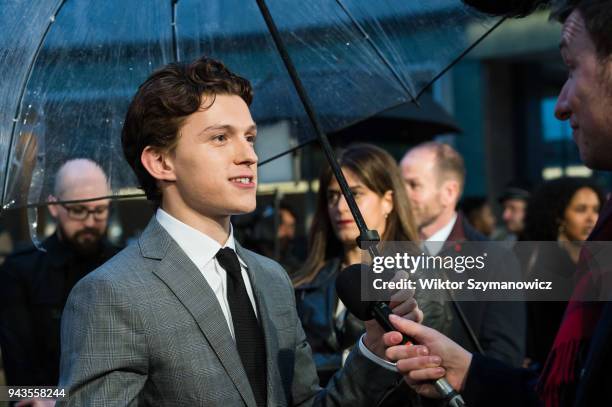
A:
x,y
201,250
435,242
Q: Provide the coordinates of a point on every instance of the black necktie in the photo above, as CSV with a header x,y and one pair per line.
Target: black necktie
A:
x,y
247,331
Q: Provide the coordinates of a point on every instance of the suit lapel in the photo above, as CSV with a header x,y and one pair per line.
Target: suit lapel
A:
x,y
186,281
457,233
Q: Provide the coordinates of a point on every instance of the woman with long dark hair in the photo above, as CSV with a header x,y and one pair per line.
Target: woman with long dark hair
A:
x,y
374,178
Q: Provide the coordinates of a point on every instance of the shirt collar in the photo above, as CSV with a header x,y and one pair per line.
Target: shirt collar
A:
x,y
198,246
444,232
436,241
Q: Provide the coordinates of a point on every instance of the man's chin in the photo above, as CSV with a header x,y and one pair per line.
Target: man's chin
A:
x,y
244,208
86,246
594,162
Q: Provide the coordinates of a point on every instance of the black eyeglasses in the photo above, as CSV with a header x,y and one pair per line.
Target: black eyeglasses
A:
x,y
79,212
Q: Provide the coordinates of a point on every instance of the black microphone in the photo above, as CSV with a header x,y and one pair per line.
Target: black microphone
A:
x,y
348,287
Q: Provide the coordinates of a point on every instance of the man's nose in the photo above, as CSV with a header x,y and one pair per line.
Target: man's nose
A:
x,y
506,215
562,109
90,221
246,153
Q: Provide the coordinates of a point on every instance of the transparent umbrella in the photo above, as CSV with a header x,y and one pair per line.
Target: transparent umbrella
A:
x,y
68,69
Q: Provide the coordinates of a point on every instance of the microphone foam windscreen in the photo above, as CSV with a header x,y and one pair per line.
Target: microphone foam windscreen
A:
x,y
348,287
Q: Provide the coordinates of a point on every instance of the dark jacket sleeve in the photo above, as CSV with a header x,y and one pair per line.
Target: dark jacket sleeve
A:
x,y
16,325
361,382
492,383
504,324
503,331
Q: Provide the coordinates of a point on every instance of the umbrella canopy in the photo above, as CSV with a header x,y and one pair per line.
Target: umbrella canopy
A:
x,y
429,111
69,69
406,123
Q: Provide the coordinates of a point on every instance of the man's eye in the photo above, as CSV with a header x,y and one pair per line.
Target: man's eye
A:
x,y
77,210
220,137
251,139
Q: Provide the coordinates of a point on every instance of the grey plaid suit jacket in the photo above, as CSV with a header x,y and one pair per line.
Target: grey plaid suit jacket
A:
x,y
146,329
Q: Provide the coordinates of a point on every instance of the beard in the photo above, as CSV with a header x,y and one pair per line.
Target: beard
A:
x,y
85,242
426,215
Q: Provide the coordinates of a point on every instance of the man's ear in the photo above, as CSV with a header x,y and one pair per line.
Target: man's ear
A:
x,y
158,163
53,210
450,192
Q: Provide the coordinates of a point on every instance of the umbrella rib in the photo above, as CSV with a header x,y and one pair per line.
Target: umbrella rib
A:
x,y
22,93
73,201
289,151
460,56
367,237
378,51
175,44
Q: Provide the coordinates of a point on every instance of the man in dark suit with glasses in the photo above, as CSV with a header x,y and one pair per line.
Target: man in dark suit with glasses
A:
x,y
34,283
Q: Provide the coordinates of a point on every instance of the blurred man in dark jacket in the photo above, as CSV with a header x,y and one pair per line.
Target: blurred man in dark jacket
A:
x,y
34,284
479,214
434,174
514,205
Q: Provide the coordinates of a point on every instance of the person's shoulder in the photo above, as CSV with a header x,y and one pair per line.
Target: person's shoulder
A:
x,y
26,252
325,276
122,281
23,252
472,234
271,280
263,261
109,249
272,268
22,258
17,273
126,269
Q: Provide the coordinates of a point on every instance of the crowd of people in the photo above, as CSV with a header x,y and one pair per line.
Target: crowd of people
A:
x,y
187,315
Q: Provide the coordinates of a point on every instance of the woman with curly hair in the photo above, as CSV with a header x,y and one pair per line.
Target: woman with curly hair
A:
x,y
564,210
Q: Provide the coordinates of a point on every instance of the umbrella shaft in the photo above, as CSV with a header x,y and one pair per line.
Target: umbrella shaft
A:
x,y
366,236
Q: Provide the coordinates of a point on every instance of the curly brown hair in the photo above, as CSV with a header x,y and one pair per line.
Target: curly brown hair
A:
x,y
547,205
163,102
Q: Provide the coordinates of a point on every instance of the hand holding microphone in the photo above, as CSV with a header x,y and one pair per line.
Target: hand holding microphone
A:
x,y
402,303
422,372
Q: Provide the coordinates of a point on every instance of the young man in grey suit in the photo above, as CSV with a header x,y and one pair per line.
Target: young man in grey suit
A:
x,y
187,316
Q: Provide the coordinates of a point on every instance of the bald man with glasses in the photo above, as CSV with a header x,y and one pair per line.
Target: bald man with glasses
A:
x,y
34,284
